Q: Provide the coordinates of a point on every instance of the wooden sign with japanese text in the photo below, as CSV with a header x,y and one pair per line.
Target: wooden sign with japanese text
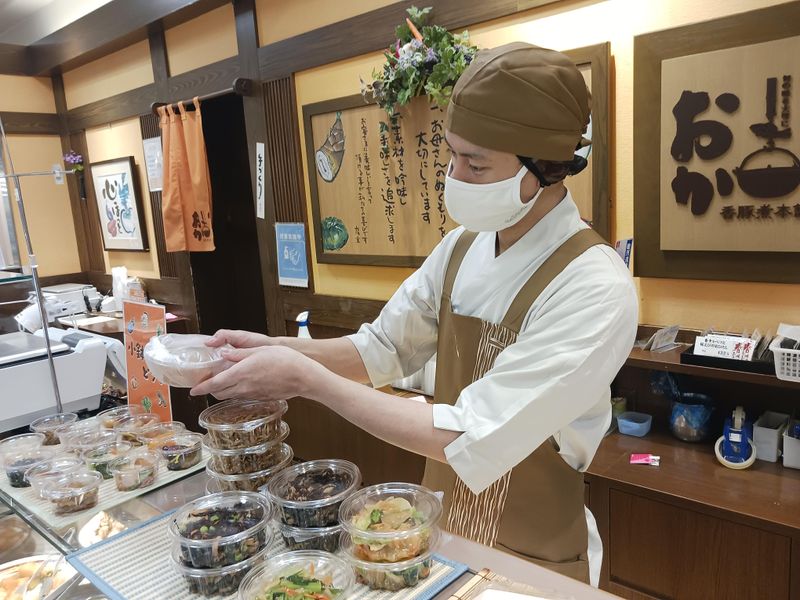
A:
x,y
143,321
729,148
377,187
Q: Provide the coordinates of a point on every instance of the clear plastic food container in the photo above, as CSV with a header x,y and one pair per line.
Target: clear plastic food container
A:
x,y
89,440
320,575
99,458
221,529
17,464
313,538
49,424
52,470
183,360
309,494
247,460
243,423
152,435
109,418
216,582
251,482
392,577
74,492
130,427
391,522
67,432
136,470
18,443
182,450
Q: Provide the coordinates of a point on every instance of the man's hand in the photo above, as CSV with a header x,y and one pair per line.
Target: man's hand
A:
x,y
263,373
238,339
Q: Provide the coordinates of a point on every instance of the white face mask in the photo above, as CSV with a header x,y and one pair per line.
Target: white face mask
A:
x,y
487,206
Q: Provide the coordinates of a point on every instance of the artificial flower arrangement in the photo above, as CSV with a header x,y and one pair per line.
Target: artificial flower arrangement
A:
x,y
425,59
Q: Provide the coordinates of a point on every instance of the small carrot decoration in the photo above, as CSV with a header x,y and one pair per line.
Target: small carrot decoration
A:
x,y
414,31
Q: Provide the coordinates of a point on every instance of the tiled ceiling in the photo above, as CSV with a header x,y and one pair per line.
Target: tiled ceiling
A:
x,y
25,22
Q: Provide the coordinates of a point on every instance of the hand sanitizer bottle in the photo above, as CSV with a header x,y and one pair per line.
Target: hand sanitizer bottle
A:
x,y
302,325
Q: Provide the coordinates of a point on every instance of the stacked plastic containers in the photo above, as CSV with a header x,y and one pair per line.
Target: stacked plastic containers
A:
x,y
390,533
246,442
217,539
307,498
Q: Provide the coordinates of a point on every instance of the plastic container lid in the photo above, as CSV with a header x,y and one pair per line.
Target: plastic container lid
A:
x,y
242,415
156,431
277,489
259,449
183,360
109,418
52,470
81,442
73,484
304,534
106,453
322,565
286,453
424,502
223,500
24,441
49,424
65,432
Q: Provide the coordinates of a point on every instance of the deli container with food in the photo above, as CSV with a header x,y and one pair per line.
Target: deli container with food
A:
x,y
251,482
243,423
247,460
311,538
89,440
17,443
74,492
183,360
310,494
303,574
134,471
182,450
391,577
221,581
66,432
221,529
109,418
391,522
130,427
49,424
52,470
99,458
17,464
152,435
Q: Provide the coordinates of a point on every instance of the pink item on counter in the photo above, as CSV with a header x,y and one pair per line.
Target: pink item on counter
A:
x,y
645,459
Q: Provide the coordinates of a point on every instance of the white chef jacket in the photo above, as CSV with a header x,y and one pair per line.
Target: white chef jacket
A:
x,y
554,380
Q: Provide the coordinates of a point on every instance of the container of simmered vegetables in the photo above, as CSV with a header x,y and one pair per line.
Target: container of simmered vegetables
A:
x,y
303,575
221,529
221,581
74,492
182,450
312,538
17,464
99,458
130,427
136,470
309,494
109,418
52,470
391,522
250,482
243,423
152,435
387,576
49,424
248,460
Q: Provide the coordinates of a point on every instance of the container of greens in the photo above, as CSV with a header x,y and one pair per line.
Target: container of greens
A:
x,y
303,575
247,460
243,423
250,482
309,494
221,529
17,464
99,458
391,522
221,581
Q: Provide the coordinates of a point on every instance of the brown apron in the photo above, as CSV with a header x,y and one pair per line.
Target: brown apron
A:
x,y
534,511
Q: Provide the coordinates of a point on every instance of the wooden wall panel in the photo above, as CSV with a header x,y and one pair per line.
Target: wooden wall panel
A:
x,y
284,150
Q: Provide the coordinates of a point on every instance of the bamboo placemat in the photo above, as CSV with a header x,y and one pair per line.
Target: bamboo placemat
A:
x,y
486,579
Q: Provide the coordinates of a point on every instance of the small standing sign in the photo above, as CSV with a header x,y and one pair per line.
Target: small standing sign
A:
x,y
292,263
143,321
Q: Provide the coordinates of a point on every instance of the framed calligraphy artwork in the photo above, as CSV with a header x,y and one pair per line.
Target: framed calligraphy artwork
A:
x,y
119,204
717,149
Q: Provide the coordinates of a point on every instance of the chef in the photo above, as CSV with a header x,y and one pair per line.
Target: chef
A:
x,y
530,313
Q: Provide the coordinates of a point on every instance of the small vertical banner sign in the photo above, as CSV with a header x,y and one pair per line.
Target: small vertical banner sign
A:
x,y
143,321
260,180
292,264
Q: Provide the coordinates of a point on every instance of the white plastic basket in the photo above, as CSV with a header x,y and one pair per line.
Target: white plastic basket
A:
x,y
787,361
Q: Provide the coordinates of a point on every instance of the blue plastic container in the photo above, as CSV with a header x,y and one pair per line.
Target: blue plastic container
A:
x,y
634,423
